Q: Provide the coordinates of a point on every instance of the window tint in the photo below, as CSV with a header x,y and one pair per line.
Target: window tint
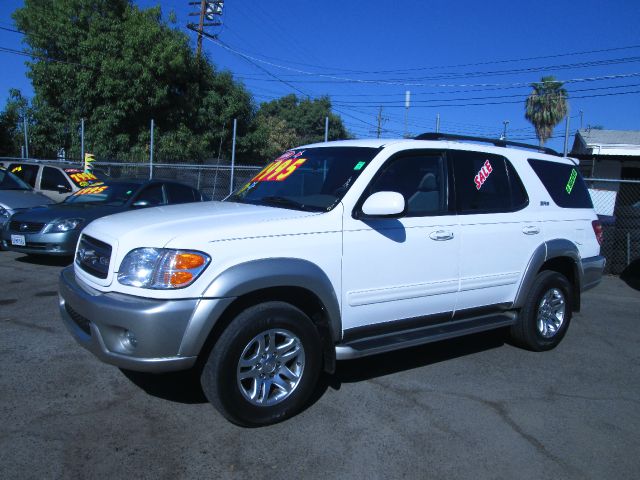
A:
x,y
52,178
420,179
180,193
563,182
483,183
152,194
28,173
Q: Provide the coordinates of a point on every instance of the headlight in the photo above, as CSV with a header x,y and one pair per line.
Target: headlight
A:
x,y
64,225
4,215
161,268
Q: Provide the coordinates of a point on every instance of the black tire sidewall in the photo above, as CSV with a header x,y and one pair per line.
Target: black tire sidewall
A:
x,y
545,281
219,378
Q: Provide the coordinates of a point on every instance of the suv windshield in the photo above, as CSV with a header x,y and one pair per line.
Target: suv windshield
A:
x,y
104,193
313,179
8,181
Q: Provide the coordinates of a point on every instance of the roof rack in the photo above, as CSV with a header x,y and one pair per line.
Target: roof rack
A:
x,y
494,141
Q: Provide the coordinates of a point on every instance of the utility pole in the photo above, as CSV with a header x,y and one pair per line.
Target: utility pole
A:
x,y
26,137
207,17
407,102
379,129
326,129
566,133
504,131
438,123
581,117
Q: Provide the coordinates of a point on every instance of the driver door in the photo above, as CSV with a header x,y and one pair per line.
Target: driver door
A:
x,y
402,272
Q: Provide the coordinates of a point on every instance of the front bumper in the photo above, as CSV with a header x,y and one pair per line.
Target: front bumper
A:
x,y
60,244
592,270
100,322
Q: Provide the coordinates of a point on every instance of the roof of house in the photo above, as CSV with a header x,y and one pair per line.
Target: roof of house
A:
x,y
606,142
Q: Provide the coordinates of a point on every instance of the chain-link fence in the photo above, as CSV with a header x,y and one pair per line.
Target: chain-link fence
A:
x,y
617,202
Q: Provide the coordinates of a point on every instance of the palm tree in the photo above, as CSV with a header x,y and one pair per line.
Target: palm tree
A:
x,y
546,106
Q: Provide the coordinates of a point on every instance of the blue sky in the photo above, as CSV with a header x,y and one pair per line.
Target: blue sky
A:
x,y
469,62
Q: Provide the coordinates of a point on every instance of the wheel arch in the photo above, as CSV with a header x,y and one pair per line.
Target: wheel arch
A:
x,y
297,282
558,255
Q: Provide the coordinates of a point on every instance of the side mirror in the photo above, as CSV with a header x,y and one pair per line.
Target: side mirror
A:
x,y
63,188
141,204
385,205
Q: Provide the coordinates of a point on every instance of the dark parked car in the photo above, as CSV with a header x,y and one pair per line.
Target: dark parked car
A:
x,y
16,195
54,229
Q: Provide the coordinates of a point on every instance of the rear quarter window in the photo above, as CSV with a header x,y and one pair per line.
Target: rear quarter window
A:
x,y
563,182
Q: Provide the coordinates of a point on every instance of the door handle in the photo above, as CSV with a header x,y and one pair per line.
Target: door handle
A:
x,y
530,230
440,235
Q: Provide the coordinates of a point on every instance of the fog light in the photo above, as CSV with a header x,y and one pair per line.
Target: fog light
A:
x,y
128,340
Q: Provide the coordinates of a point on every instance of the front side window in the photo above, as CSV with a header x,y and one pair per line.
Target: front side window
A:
x,y
419,178
312,179
486,183
53,179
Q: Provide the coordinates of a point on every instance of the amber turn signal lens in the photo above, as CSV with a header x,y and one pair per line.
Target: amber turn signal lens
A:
x,y
180,278
187,261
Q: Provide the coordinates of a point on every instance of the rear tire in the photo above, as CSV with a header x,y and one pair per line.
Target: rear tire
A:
x,y
264,366
545,316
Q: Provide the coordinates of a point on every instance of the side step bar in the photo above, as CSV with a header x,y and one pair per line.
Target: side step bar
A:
x,y
419,336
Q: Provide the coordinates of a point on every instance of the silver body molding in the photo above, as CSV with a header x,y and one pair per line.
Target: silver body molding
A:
x,y
257,275
588,271
98,320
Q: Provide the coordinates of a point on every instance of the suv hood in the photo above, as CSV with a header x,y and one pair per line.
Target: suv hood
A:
x,y
204,221
18,199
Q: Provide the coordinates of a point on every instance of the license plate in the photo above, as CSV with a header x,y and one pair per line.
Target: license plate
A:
x,y
18,240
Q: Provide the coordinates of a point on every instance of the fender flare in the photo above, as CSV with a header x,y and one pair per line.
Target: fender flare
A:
x,y
244,278
548,250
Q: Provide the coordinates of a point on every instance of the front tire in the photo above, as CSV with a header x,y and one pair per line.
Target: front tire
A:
x,y
544,319
264,366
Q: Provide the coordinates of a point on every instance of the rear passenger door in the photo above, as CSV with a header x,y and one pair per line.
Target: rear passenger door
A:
x,y
498,234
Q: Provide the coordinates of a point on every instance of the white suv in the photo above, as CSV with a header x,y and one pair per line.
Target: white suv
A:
x,y
336,251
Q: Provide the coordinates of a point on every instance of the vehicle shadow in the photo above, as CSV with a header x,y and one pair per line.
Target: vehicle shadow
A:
x,y
46,260
184,387
631,274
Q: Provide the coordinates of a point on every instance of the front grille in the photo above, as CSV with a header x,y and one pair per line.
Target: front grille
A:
x,y
83,323
93,256
25,227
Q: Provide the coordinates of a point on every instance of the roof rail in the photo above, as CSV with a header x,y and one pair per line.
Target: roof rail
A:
x,y
494,141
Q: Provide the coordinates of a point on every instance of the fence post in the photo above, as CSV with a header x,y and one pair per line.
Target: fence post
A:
x,y
82,139
628,248
26,137
151,153
233,154
326,129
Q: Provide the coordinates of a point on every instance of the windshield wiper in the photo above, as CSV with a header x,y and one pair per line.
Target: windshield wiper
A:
x,y
282,201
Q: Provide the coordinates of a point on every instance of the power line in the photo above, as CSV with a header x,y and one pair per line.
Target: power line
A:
x,y
41,57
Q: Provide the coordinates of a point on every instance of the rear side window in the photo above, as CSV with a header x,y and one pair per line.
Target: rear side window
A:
x,y
486,183
181,193
563,182
25,172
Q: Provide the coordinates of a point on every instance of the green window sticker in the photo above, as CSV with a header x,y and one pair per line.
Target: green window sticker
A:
x,y
359,165
572,180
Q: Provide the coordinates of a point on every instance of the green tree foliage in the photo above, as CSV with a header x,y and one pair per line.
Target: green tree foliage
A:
x,y
119,66
11,129
546,106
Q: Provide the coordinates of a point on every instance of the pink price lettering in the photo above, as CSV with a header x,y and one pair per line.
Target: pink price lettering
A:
x,y
483,174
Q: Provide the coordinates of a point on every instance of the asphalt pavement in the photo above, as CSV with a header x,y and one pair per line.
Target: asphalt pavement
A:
x,y
476,407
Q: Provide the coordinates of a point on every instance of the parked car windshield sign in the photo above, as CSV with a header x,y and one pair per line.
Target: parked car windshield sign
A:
x,y
81,178
104,193
313,179
8,181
